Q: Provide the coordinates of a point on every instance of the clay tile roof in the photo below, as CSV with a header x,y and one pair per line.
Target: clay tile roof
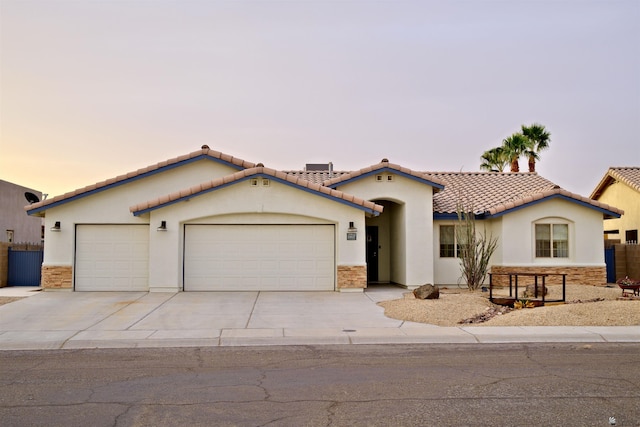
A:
x,y
333,178
629,175
496,192
238,176
113,181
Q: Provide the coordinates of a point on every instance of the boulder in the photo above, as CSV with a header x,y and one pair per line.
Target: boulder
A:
x,y
530,292
427,292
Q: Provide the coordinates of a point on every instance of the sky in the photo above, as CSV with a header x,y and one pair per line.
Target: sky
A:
x,y
93,89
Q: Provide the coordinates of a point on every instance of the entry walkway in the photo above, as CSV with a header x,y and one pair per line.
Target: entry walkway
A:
x,y
55,320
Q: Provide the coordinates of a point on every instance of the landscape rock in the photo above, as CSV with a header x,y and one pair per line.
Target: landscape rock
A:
x,y
530,292
427,292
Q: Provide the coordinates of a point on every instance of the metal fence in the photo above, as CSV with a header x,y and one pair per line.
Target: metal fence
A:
x,y
24,264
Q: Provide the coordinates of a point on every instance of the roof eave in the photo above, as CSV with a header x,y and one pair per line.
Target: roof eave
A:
x,y
369,210
435,185
99,187
607,213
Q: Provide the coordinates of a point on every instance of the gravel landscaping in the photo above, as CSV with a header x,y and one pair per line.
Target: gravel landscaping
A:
x,y
585,306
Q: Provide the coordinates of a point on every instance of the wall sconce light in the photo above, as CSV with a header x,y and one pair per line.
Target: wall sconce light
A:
x,y
56,226
352,232
163,226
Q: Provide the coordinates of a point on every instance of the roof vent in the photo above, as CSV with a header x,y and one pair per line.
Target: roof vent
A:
x,y
385,160
260,165
205,147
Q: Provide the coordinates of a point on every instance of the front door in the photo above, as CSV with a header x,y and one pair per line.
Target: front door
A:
x,y
372,253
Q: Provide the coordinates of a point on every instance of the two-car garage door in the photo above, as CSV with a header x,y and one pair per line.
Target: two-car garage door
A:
x,y
216,257
259,257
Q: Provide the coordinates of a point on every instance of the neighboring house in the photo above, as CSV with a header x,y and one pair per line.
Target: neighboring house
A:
x,y
15,226
209,221
620,187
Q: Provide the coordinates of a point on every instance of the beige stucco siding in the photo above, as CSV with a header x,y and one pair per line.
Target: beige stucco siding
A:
x,y
241,203
411,224
515,232
111,206
585,234
447,269
626,198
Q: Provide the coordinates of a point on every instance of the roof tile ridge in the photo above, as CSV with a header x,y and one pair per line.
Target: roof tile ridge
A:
x,y
138,172
620,177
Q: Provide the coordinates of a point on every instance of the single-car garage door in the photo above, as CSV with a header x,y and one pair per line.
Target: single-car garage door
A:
x,y
259,257
112,258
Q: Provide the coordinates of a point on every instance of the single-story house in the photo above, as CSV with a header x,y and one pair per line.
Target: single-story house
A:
x,y
620,186
207,221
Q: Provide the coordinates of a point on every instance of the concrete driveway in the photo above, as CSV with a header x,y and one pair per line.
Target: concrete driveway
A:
x,y
140,319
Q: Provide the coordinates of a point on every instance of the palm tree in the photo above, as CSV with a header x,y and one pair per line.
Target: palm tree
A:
x,y
514,147
494,160
538,140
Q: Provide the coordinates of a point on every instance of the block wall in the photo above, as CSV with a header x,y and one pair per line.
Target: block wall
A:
x,y
627,261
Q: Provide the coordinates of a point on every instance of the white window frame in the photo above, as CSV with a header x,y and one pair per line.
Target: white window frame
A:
x,y
456,245
553,249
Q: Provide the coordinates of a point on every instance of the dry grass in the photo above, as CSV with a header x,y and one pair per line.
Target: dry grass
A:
x,y
455,305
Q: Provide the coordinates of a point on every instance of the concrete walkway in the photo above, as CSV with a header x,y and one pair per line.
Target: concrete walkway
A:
x,y
54,320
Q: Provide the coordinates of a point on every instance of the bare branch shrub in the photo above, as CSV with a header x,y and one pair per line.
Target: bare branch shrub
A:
x,y
475,249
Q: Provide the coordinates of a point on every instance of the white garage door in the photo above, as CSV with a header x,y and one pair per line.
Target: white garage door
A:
x,y
259,257
112,258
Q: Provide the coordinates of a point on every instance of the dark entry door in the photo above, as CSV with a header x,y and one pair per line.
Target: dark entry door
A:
x,y
372,253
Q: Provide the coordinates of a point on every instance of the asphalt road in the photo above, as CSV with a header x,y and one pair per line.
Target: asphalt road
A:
x,y
387,385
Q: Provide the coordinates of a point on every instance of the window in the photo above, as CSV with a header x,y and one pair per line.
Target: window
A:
x,y
450,244
552,241
631,237
447,241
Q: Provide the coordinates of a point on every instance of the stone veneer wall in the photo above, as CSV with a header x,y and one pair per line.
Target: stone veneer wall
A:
x,y
352,276
56,277
575,275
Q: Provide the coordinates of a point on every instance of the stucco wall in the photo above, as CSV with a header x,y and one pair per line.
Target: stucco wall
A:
x,y
516,239
243,204
383,222
411,224
112,206
586,247
623,197
447,269
26,229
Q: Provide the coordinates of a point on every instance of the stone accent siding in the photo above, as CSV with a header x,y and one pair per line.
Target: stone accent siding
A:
x,y
352,276
575,275
56,277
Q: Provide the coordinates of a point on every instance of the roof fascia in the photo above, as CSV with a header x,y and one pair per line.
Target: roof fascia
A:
x,y
605,212
260,175
605,182
453,216
134,178
388,169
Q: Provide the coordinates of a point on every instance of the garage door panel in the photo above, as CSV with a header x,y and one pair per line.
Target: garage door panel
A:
x,y
259,257
112,258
